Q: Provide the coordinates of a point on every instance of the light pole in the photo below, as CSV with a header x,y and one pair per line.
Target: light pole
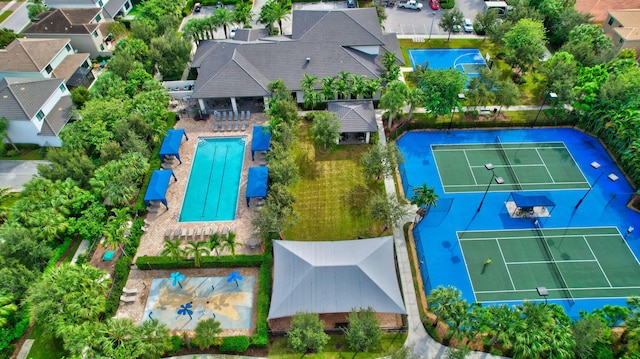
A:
x,y
499,180
461,97
611,176
433,19
551,95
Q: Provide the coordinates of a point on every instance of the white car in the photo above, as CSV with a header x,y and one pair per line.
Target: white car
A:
x,y
467,25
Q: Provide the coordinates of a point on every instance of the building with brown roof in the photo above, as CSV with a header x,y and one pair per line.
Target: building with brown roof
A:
x,y
623,26
46,58
85,28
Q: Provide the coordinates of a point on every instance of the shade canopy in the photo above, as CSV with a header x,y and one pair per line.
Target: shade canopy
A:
x,y
157,190
522,200
257,183
171,143
334,277
261,139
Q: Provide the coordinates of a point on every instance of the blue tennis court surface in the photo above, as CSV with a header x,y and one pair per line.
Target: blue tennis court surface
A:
x,y
467,60
212,191
603,205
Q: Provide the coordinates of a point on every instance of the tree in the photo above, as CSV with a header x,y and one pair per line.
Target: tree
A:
x,y
7,307
424,196
393,99
231,243
543,332
274,218
484,22
391,67
442,300
5,196
283,168
307,334
386,209
497,321
120,189
363,331
4,128
588,333
242,13
631,324
197,250
7,36
589,45
413,99
506,94
36,8
206,333
561,25
380,160
524,44
21,245
223,17
560,73
381,12
155,338
451,20
325,129
216,243
274,11
172,249
170,55
440,89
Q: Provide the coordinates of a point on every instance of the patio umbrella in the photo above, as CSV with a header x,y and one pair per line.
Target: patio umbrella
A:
x,y
234,276
177,277
185,309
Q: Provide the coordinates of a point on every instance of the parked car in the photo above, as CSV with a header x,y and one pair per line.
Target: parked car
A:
x,y
197,7
467,25
435,4
411,4
351,4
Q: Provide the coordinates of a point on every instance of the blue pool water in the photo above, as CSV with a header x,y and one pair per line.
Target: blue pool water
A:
x,y
437,245
462,59
212,191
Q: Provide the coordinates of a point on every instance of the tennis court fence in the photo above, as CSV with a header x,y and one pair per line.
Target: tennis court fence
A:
x,y
507,162
552,260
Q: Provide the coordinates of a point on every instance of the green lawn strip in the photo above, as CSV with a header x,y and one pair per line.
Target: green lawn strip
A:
x,y
45,347
25,154
391,342
332,196
5,15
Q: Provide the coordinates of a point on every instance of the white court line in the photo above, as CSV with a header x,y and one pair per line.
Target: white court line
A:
x,y
597,261
545,166
555,261
505,261
475,180
558,289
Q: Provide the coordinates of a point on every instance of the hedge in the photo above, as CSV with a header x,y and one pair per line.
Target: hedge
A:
x,y
261,338
236,344
159,262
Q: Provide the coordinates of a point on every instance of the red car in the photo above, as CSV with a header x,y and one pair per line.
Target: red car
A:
x,y
435,5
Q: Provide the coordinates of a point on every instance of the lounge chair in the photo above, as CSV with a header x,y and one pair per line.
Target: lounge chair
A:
x,y
235,116
244,126
224,232
230,115
129,291
207,232
215,127
249,115
167,234
127,299
241,115
199,233
190,233
176,234
183,233
236,127
229,126
224,116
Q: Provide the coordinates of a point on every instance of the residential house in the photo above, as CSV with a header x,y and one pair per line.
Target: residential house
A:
x,y
112,9
623,26
86,28
322,44
46,58
357,119
36,109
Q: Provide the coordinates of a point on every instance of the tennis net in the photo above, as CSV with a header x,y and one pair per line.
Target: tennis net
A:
x,y
552,260
508,167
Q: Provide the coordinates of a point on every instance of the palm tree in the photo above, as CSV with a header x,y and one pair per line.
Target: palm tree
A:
x,y
414,99
197,249
224,17
216,243
329,88
242,13
278,11
359,86
373,86
308,82
155,338
6,308
206,333
229,241
4,127
424,197
442,300
393,99
118,338
172,249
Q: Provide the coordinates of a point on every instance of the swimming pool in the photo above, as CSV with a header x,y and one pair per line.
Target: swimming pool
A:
x,y
212,191
467,60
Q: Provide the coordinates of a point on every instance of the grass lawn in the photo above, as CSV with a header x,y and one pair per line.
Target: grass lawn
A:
x,y
25,154
44,347
5,15
332,196
529,90
337,348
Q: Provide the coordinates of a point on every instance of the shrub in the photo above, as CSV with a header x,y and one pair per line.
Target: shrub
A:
x,y
236,344
448,4
261,338
240,260
13,153
121,273
307,333
176,343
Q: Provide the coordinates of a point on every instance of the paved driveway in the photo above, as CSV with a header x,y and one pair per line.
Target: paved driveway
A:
x,y
411,22
15,174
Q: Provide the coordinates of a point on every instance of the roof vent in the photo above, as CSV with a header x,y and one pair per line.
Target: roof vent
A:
x,y
308,59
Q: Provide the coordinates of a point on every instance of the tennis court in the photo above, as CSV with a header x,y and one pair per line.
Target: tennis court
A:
x,y
571,263
523,166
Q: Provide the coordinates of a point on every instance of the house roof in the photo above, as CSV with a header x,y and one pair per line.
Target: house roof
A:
x,y
67,3
57,118
355,116
334,277
30,55
251,34
22,98
599,8
322,44
113,7
65,21
628,33
70,65
628,18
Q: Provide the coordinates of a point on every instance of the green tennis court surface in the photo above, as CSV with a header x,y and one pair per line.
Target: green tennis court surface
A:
x,y
523,166
570,262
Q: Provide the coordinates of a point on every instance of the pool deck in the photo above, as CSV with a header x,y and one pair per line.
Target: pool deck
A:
x,y
152,241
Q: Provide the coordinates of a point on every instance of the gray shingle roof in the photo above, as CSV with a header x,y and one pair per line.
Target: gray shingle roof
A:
x,y
251,34
242,69
334,277
113,6
22,98
65,21
355,116
30,55
57,118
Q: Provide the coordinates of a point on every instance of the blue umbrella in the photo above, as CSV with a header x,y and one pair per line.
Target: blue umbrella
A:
x,y
185,309
177,277
234,276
